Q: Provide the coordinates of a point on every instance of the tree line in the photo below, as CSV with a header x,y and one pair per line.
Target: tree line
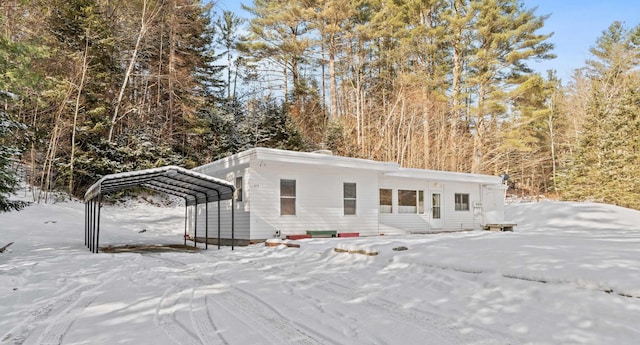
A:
x,y
92,87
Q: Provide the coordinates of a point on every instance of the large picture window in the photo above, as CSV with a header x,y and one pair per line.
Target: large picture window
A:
x,y
462,202
386,205
349,195
407,201
287,197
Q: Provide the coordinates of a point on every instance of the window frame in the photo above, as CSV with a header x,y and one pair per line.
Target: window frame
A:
x,y
402,198
346,199
239,188
287,198
380,204
459,201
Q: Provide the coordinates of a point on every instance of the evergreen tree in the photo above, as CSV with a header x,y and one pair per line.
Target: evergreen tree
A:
x,y
8,179
505,38
606,166
16,80
228,28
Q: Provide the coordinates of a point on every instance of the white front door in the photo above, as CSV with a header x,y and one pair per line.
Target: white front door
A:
x,y
435,219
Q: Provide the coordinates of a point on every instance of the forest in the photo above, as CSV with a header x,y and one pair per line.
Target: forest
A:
x,y
93,87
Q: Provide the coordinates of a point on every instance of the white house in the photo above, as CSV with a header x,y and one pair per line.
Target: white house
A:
x,y
283,193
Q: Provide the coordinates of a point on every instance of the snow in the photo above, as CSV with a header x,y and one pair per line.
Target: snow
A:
x,y
569,273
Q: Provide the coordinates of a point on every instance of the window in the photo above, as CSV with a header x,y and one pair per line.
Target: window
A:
x,y
420,202
462,202
287,197
385,201
407,201
239,188
349,193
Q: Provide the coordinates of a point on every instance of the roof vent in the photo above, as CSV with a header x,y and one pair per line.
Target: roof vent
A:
x,y
324,152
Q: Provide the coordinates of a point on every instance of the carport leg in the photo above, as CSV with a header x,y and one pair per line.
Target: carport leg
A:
x,y
88,223
86,215
233,222
185,221
93,230
206,223
98,229
195,227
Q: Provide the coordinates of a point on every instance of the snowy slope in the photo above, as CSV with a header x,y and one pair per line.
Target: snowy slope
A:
x,y
569,274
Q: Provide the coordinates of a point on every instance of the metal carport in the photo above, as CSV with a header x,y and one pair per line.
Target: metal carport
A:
x,y
194,187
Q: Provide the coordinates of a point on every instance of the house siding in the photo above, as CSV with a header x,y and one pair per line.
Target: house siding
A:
x,y
319,199
227,170
450,218
319,196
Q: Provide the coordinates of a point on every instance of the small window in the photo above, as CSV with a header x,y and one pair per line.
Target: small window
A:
x,y
239,188
386,205
287,197
420,202
407,201
462,202
349,195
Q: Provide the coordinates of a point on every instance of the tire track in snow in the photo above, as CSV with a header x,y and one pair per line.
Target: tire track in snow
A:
x,y
203,329
54,334
275,327
438,329
443,328
201,320
38,315
165,318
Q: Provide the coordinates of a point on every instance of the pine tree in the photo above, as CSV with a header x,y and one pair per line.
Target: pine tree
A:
x,y
228,28
8,179
505,38
606,165
16,79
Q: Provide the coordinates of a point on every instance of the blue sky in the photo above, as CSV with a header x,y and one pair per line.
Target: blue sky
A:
x,y
576,25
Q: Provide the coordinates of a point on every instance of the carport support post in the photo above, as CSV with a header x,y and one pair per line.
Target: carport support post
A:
x,y
87,224
206,222
218,202
98,229
93,229
233,222
86,215
185,221
195,226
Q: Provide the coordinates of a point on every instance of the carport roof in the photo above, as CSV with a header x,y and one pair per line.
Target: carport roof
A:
x,y
193,186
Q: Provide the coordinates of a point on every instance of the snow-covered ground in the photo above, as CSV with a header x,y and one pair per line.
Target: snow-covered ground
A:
x,y
569,274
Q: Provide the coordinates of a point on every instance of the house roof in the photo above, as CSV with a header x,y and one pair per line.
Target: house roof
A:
x,y
325,158
445,176
193,186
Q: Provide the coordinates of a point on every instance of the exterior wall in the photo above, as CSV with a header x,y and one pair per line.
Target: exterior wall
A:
x,y
461,220
396,222
319,199
450,218
226,169
319,196
493,204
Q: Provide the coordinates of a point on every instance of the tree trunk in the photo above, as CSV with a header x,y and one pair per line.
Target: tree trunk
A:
x,y
478,134
332,84
144,26
85,66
